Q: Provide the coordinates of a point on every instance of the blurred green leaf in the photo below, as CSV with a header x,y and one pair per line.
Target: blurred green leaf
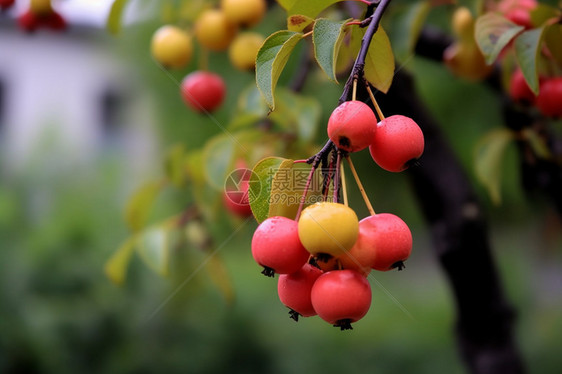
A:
x,y
115,16
327,37
174,165
206,198
488,157
298,22
379,63
537,143
140,203
299,113
309,8
272,58
553,40
220,277
251,101
260,186
543,13
116,267
493,32
153,248
409,25
218,156
527,50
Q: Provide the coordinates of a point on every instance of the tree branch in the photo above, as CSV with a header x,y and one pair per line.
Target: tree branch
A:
x,y
450,205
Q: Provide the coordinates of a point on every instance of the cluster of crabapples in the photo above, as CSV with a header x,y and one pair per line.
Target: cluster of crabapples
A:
x,y
549,99
216,30
40,14
324,256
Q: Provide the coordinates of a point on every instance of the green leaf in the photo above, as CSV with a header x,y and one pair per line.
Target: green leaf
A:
x,y
115,15
298,22
219,275
218,157
543,13
139,205
272,58
408,27
527,50
153,248
260,186
488,157
493,32
174,165
379,62
327,37
116,267
309,8
553,40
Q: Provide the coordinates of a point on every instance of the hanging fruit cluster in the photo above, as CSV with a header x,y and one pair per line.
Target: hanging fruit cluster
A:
x,y
325,254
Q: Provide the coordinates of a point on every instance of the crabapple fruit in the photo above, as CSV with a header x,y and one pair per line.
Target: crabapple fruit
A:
x,y
214,31
244,50
237,189
171,46
519,89
203,91
6,4
361,257
245,13
276,246
294,290
398,142
549,100
465,60
328,229
341,297
352,126
390,238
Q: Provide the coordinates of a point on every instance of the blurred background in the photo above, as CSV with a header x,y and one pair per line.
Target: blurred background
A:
x,y
86,117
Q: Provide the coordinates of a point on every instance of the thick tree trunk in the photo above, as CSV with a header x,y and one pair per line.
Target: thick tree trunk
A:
x,y
484,325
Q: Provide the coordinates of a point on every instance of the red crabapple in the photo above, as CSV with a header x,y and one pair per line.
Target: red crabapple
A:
x,y
398,142
549,100
361,257
352,125
519,89
294,291
6,4
341,297
203,91
276,246
391,239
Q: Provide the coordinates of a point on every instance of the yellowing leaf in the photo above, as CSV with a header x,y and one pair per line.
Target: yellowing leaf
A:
x,y
116,267
298,22
488,157
379,62
115,16
139,205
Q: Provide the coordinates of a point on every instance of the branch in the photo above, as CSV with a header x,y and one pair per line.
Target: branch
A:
x,y
459,230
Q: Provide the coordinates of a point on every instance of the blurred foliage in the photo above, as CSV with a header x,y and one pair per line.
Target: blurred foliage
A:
x,y
59,313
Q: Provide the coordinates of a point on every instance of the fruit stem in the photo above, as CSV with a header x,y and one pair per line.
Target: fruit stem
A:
x,y
377,107
307,34
360,185
337,178
299,161
343,185
354,92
